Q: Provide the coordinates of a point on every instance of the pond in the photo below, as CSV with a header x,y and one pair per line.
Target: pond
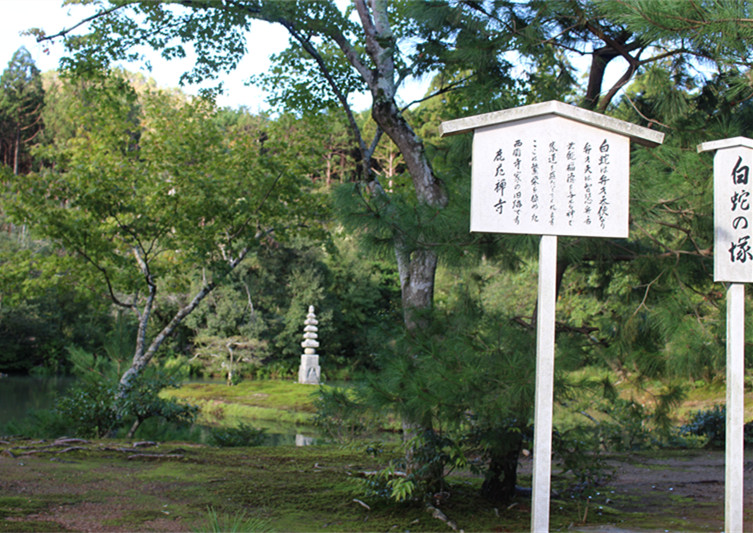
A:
x,y
21,394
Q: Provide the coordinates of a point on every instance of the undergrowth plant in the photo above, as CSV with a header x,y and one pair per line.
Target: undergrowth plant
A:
x,y
414,475
92,408
236,523
342,415
710,425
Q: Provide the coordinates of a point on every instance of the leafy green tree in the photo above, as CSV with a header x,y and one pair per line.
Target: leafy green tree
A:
x,y
632,303
151,192
45,303
333,55
647,306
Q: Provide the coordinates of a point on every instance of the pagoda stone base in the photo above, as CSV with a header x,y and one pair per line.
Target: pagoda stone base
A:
x,y
309,372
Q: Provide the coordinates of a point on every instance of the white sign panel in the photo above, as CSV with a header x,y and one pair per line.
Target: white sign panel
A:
x,y
550,176
733,215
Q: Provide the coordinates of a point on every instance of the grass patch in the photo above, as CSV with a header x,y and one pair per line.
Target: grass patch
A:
x,y
277,407
266,394
134,518
239,522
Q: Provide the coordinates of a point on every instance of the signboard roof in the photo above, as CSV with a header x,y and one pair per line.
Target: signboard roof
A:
x,y
732,142
639,134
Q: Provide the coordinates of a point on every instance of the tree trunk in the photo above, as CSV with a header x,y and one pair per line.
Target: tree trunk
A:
x,y
16,150
417,269
231,364
599,61
134,427
429,189
502,474
141,359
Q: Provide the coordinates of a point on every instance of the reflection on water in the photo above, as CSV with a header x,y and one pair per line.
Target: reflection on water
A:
x,y
21,394
303,440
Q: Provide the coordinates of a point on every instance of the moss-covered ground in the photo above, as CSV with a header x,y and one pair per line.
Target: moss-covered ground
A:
x,y
114,485
105,487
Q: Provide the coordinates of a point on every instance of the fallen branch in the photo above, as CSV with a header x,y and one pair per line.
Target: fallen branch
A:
x,y
64,441
155,456
439,515
119,449
46,449
362,504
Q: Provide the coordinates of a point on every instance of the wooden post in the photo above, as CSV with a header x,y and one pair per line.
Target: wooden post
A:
x,y
733,264
734,447
542,425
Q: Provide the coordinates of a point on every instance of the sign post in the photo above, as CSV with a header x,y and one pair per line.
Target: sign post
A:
x,y
733,263
549,169
543,404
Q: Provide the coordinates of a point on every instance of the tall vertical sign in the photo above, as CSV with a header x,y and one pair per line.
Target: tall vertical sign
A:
x,y
549,169
733,263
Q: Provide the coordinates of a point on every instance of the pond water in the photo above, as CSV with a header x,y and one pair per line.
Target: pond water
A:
x,y
21,394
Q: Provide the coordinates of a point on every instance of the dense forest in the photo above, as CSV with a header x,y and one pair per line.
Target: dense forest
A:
x,y
147,227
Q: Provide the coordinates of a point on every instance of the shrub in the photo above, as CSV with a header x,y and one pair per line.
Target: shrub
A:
x,y
89,409
709,423
41,423
93,409
432,455
627,427
340,414
143,401
578,453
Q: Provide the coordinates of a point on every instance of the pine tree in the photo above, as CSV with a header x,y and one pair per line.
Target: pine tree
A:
x,y
21,105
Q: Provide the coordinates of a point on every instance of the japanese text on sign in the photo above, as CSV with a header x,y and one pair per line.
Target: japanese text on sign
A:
x,y
733,209
739,249
532,180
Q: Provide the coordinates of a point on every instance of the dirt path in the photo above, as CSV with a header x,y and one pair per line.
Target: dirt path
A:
x,y
670,491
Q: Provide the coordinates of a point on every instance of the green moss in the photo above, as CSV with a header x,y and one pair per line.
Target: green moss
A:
x,y
292,489
30,526
279,395
20,506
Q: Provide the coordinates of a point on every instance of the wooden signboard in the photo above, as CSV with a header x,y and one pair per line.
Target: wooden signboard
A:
x,y
733,215
550,176
549,169
733,262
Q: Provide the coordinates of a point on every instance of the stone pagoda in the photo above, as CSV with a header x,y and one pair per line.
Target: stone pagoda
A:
x,y
309,371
